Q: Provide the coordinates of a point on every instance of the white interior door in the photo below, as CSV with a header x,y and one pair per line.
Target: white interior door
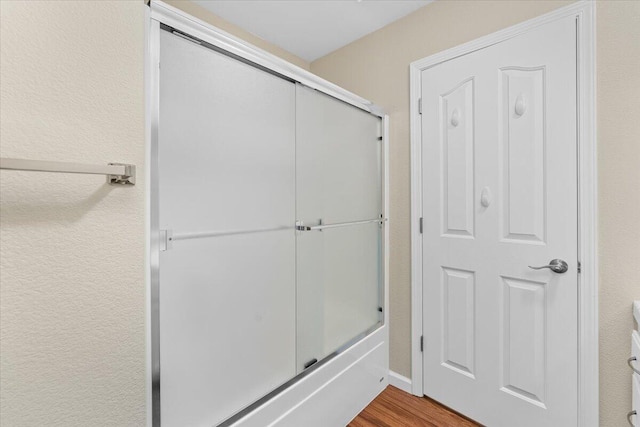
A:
x,y
226,172
499,195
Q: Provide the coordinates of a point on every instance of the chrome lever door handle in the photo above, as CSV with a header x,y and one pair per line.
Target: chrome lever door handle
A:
x,y
555,265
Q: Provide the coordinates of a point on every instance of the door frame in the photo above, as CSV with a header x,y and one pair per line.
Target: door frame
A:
x,y
587,357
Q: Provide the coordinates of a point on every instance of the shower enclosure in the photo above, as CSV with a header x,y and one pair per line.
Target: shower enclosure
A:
x,y
267,230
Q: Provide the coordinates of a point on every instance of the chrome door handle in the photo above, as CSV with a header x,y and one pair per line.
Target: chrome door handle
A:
x,y
630,363
555,265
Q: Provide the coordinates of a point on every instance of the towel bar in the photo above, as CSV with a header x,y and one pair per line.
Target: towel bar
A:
x,y
117,173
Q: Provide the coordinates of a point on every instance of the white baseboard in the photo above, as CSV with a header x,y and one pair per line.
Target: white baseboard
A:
x,y
399,381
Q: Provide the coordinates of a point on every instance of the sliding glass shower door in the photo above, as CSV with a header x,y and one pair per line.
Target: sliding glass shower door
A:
x,y
339,212
226,156
268,203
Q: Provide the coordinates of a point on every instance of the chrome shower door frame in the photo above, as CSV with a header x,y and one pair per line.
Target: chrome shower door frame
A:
x,y
300,395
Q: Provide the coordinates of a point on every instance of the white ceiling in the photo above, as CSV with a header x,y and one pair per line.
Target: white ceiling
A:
x,y
311,29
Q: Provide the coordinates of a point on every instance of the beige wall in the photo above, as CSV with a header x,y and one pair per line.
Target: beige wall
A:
x,y
618,53
377,67
72,280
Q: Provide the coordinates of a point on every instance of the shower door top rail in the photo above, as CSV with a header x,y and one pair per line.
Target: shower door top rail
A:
x,y
117,173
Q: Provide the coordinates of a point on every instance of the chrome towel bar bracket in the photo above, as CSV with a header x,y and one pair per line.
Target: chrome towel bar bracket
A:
x,y
117,173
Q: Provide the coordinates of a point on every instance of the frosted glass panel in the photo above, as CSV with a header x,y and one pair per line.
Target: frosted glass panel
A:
x,y
227,141
339,279
226,165
245,301
338,173
338,157
227,324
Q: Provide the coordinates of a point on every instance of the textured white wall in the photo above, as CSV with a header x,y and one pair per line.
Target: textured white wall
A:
x,y
72,284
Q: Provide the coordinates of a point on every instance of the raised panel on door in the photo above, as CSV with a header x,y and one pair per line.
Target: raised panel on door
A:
x,y
458,320
524,330
523,149
226,172
457,168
